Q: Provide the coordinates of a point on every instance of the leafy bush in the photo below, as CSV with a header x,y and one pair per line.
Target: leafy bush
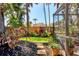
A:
x,y
33,34
70,43
53,42
46,34
55,45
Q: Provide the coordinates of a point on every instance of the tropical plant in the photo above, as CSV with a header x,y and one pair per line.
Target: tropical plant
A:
x,y
70,43
53,42
33,34
55,45
46,34
14,13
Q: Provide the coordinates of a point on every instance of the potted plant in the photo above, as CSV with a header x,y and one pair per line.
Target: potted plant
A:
x,y
53,43
70,46
55,49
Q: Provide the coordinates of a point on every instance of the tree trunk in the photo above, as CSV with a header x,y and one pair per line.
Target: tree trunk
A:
x,y
45,15
1,21
49,15
27,15
2,25
53,25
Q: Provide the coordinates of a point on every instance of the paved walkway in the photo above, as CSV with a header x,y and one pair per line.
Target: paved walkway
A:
x,y
41,50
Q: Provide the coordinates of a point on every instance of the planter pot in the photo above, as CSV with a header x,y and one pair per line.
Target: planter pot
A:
x,y
55,51
71,51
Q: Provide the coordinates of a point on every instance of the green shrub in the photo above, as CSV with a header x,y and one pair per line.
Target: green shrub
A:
x,y
53,42
55,45
46,34
33,34
70,43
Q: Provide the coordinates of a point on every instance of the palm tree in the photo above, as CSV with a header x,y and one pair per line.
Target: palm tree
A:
x,y
27,5
45,14
35,20
49,14
30,23
14,12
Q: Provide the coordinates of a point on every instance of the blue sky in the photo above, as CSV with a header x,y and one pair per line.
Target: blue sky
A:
x,y
37,12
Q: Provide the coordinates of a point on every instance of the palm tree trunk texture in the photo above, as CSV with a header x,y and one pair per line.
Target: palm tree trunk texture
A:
x,y
45,15
53,26
27,15
49,15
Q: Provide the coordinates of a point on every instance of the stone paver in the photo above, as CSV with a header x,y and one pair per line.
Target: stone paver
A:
x,y
41,52
41,49
40,46
76,52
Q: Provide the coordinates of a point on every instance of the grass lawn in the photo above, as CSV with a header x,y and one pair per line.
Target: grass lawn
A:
x,y
35,39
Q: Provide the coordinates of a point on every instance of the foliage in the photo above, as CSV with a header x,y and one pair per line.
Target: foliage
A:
x,y
14,13
54,45
71,29
33,34
15,23
46,34
70,43
53,42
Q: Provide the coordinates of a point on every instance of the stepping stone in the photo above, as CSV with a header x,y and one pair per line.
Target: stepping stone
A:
x,y
41,52
40,46
76,52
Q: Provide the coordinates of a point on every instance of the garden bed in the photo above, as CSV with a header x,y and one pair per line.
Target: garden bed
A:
x,y
23,49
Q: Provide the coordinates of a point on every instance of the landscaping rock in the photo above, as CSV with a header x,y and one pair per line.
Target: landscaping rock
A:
x,y
28,49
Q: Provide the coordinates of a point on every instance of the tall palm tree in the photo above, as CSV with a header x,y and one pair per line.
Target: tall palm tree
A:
x,y
35,20
45,15
49,14
27,5
30,23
